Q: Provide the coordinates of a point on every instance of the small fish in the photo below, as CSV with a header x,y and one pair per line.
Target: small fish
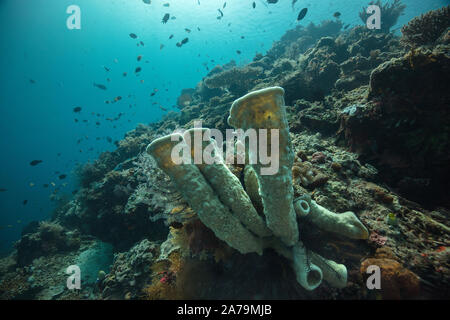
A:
x,y
254,4
238,52
77,109
198,28
337,14
35,162
171,36
293,4
272,1
139,58
133,36
346,27
302,14
224,5
173,18
166,5
106,68
117,98
25,202
147,1
152,94
161,46
187,30
142,43
124,74
138,69
100,86
221,13
165,18
3,190
184,41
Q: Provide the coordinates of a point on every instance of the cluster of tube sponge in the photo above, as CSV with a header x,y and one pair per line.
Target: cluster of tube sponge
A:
x,y
222,204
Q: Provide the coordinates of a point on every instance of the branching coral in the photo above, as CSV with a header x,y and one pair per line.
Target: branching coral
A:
x,y
389,13
222,205
427,28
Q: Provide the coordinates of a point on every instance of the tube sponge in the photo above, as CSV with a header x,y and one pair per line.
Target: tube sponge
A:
x,y
308,274
346,224
264,109
201,197
333,273
229,189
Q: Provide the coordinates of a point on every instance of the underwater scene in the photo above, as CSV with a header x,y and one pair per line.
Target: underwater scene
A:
x,y
225,150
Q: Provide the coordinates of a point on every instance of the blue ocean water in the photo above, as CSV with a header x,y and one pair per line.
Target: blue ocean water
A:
x,y
48,70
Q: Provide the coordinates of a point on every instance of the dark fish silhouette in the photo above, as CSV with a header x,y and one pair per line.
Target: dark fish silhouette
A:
x,y
187,30
147,1
221,13
272,1
165,18
166,5
138,69
302,14
25,202
100,86
254,4
77,109
132,35
337,14
224,5
293,4
238,52
142,43
3,189
35,162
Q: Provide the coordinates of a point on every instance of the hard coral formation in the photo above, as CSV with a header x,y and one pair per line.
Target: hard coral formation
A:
x,y
237,80
427,28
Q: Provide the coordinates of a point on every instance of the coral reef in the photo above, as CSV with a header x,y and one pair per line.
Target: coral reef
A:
x,y
427,28
368,126
50,238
